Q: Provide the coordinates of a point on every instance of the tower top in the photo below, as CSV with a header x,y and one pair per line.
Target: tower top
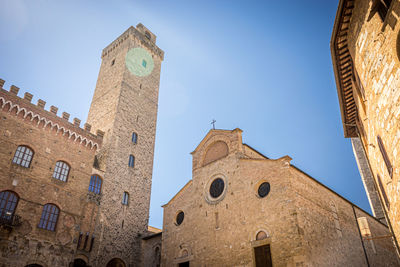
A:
x,y
140,33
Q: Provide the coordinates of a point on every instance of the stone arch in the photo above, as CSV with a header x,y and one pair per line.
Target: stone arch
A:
x,y
34,265
116,262
215,151
261,235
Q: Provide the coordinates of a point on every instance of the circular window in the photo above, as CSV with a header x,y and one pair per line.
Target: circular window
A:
x,y
180,217
263,189
217,187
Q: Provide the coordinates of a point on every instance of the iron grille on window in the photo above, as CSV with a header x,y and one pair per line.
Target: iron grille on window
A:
x,y
49,217
61,171
385,198
95,184
23,156
385,156
125,198
8,203
131,161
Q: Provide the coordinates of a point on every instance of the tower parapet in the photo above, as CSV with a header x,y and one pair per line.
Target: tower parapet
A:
x,y
24,109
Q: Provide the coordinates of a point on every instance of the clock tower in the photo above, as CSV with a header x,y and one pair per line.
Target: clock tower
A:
x,y
124,107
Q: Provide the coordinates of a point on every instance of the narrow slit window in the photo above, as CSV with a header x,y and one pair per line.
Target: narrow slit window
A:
x,y
134,138
125,198
61,171
95,184
385,156
131,161
49,217
23,156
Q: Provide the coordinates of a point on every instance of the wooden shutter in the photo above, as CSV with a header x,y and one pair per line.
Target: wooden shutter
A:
x,y
385,156
385,198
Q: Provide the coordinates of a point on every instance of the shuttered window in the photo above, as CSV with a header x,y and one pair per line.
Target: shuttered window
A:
x,y
385,156
382,6
385,198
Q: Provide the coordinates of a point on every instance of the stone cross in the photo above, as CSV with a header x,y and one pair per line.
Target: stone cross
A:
x,y
213,123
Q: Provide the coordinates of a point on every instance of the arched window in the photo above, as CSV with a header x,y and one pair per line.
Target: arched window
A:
x,y
131,161
49,217
61,171
125,198
8,203
23,156
95,184
134,138
261,235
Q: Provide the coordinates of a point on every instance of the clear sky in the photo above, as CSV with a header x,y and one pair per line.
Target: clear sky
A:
x,y
262,66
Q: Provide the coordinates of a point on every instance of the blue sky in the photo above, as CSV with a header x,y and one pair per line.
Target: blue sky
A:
x,y
262,66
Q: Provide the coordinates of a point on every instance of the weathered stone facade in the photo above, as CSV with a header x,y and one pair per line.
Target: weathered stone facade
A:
x,y
102,225
365,51
303,222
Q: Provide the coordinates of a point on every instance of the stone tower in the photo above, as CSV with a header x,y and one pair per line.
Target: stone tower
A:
x,y
124,104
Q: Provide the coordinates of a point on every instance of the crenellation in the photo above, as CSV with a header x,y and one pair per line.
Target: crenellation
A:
x,y
2,83
65,115
14,89
41,103
100,134
138,34
28,96
54,110
77,122
87,127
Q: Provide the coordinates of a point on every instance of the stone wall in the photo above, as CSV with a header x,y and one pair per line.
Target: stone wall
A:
x,y
374,47
124,103
296,215
52,139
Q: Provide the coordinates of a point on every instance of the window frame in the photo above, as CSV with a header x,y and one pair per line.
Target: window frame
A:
x,y
7,201
45,221
385,156
96,188
125,198
61,169
21,161
134,137
131,162
383,192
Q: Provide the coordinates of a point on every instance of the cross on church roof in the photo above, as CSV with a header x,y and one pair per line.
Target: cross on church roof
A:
x,y
213,123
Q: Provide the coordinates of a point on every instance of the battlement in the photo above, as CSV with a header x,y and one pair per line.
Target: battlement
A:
x,y
23,108
141,33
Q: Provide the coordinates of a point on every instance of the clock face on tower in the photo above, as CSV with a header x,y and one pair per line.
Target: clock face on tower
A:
x,y
139,62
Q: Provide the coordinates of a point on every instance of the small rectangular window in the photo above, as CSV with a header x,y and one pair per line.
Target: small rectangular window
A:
x,y
385,198
125,198
385,156
131,161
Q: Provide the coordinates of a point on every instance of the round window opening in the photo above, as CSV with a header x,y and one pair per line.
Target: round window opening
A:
x,y
180,217
217,187
263,189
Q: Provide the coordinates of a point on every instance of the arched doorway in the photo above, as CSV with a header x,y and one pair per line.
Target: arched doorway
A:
x,y
34,265
116,263
79,263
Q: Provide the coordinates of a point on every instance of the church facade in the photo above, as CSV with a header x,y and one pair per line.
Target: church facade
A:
x,y
244,209
365,48
80,196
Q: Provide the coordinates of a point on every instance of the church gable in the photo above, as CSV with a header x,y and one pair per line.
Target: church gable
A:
x,y
216,145
216,151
